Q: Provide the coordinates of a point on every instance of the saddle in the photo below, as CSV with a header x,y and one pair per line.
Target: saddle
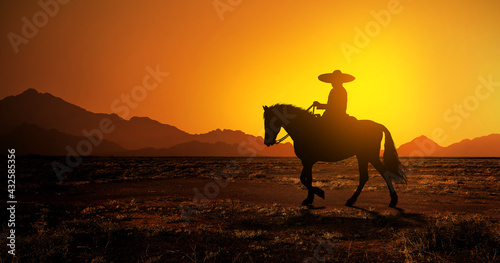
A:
x,y
341,126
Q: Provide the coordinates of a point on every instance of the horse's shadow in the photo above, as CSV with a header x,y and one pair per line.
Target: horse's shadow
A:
x,y
352,223
410,219
401,211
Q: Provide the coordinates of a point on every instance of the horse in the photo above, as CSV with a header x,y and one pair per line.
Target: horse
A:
x,y
316,139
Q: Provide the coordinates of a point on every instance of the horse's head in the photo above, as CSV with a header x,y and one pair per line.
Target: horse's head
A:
x,y
275,117
271,126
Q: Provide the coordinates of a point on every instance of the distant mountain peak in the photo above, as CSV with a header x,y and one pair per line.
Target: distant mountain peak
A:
x,y
422,137
32,94
484,146
30,91
27,93
225,131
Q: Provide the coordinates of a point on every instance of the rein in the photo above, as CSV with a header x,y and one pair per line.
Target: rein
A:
x,y
283,138
288,135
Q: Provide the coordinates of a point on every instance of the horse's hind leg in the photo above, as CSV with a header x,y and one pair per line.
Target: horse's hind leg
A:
x,y
381,169
306,179
363,178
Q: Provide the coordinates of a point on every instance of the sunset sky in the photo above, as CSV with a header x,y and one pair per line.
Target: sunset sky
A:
x,y
419,65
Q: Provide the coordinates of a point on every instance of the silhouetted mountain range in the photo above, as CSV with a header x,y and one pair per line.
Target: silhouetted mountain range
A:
x,y
31,139
42,124
485,146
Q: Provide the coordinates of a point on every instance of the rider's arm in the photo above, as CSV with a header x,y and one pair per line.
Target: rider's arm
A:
x,y
319,106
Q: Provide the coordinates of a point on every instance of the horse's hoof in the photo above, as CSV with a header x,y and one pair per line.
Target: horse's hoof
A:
x,y
350,202
306,202
394,200
319,192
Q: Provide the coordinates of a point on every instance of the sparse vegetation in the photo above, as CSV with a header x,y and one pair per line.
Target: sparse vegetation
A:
x,y
453,239
226,230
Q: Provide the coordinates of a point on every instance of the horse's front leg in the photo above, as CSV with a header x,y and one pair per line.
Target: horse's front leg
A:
x,y
306,179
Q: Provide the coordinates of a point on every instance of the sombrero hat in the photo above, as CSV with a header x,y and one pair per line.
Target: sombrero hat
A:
x,y
336,76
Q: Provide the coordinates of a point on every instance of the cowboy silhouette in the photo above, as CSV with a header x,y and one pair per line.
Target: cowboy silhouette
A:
x,y
336,106
335,136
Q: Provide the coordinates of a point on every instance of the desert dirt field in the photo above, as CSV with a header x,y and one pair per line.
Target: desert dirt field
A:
x,y
248,210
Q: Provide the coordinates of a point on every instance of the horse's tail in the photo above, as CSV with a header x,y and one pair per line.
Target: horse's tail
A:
x,y
391,158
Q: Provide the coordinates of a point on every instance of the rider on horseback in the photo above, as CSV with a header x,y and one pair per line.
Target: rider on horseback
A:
x,y
335,137
335,109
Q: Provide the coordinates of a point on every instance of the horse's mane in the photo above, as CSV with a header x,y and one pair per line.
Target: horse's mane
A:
x,y
291,110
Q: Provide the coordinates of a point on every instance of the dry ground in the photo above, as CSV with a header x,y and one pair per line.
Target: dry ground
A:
x,y
444,215
248,221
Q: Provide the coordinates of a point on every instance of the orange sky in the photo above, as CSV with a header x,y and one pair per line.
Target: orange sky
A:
x,y
413,70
